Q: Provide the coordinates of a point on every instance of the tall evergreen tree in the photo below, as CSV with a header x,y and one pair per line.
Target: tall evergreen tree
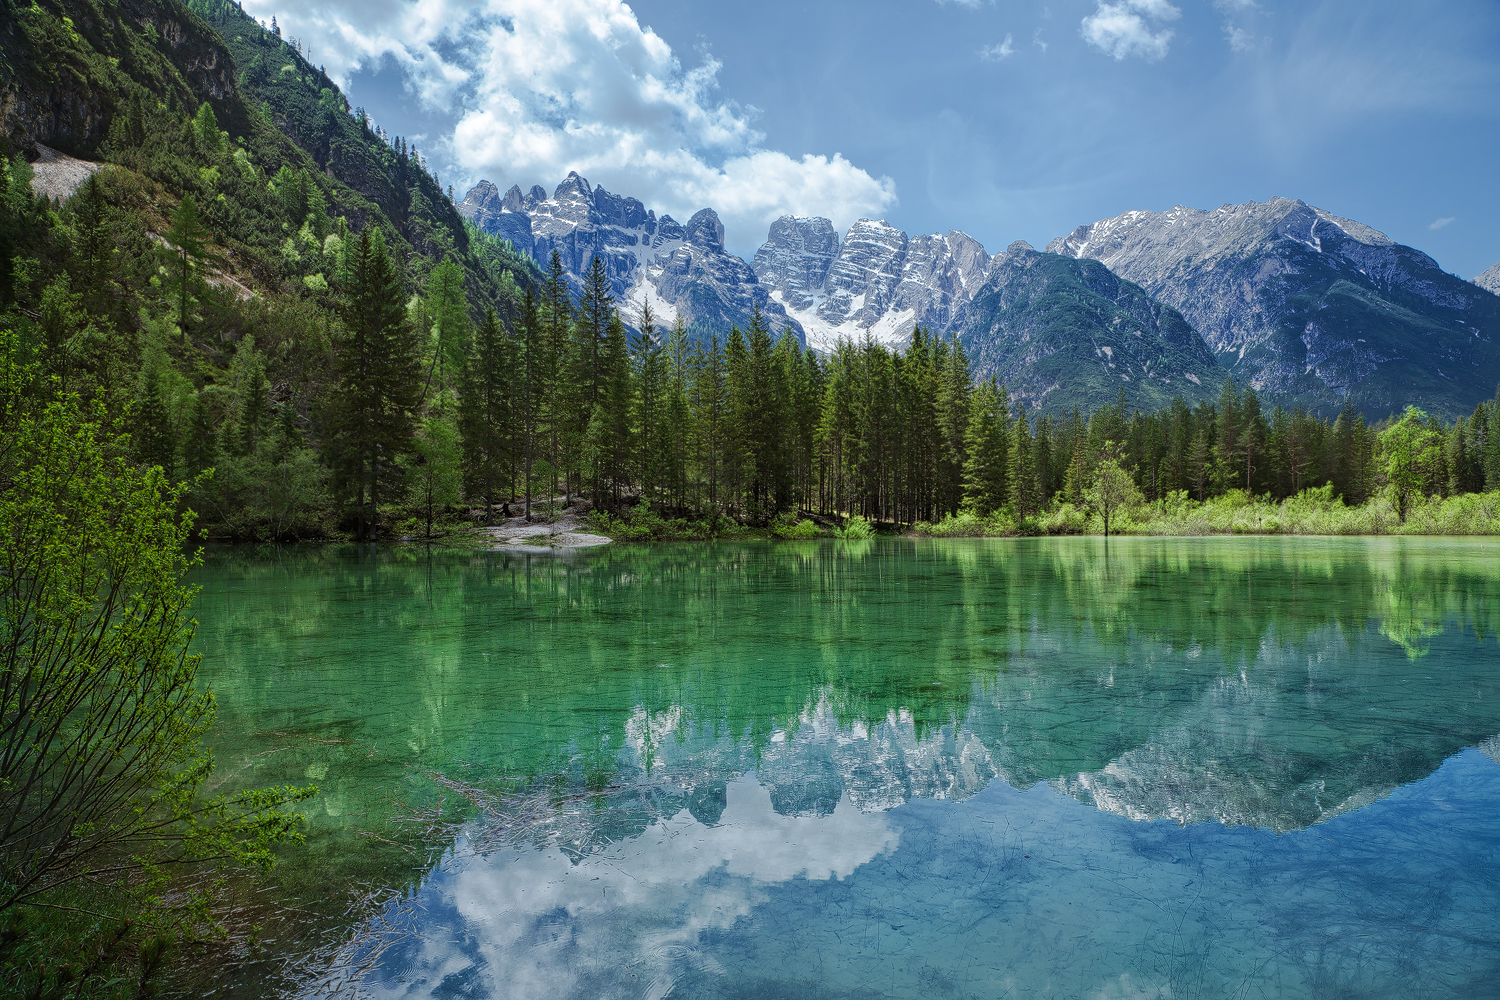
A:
x,y
484,412
987,446
379,380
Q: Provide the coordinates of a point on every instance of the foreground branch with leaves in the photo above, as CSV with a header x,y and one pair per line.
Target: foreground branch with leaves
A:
x,y
103,808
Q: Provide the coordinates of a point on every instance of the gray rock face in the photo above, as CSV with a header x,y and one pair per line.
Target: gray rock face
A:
x,y
796,257
1490,280
878,282
680,270
1308,307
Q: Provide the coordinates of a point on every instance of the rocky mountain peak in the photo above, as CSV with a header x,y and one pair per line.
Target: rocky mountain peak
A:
x,y
796,257
682,270
705,230
876,282
1306,306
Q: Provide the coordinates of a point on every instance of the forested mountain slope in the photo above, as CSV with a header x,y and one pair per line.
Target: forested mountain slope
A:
x,y
111,81
199,285
1063,333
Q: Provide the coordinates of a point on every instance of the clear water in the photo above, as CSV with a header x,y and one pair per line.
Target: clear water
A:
x,y
1013,768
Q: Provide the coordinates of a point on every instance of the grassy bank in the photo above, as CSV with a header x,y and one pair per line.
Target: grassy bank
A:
x,y
1311,512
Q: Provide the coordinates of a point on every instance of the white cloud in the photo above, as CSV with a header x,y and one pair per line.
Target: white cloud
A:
x,y
1037,40
995,53
1240,38
542,87
1446,220
1121,29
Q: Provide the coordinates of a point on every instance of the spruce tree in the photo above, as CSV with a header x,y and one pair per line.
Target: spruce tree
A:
x,y
378,379
188,235
1022,467
987,446
484,413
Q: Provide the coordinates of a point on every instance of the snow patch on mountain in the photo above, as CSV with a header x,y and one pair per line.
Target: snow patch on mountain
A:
x,y
876,283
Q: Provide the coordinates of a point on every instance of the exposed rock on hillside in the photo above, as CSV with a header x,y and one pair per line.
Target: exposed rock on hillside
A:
x,y
1490,280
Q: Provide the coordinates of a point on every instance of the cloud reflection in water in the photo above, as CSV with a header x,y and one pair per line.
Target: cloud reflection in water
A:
x,y
535,923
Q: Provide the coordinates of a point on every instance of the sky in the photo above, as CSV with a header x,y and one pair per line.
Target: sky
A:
x,y
1008,119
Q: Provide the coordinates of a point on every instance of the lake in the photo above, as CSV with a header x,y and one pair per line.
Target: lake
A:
x,y
1257,767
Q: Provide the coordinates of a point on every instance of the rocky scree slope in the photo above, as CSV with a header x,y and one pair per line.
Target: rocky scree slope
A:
x,y
876,282
1308,307
1061,332
682,270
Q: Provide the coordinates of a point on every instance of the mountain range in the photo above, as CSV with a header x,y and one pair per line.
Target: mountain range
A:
x,y
1307,307
682,270
1304,306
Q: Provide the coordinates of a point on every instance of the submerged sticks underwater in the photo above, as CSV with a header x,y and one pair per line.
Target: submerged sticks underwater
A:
x,y
1201,767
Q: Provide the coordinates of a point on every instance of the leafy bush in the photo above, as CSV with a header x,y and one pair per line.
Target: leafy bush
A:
x,y
855,526
788,527
967,524
643,524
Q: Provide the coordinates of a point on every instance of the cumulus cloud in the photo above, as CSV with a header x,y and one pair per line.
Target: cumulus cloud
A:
x,y
537,88
1446,220
1124,29
995,53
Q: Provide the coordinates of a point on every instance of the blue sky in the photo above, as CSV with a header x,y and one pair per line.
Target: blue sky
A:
x,y
1009,120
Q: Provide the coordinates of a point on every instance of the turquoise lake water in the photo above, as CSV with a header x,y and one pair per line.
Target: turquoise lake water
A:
x,y
1176,768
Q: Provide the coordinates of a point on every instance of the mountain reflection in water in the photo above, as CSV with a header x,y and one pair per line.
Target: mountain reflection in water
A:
x,y
1238,766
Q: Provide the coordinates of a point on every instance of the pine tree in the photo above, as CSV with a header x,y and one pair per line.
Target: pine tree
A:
x,y
445,310
988,449
1022,470
188,235
677,431
153,439
953,420
646,356
200,449
553,365
484,412
379,379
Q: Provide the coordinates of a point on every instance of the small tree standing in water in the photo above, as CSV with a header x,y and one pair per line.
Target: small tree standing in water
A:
x,y
1113,489
101,719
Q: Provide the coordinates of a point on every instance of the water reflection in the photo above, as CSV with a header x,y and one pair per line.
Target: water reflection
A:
x,y
548,922
857,739
1009,893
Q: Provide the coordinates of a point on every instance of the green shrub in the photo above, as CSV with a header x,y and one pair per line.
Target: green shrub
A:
x,y
855,527
788,527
